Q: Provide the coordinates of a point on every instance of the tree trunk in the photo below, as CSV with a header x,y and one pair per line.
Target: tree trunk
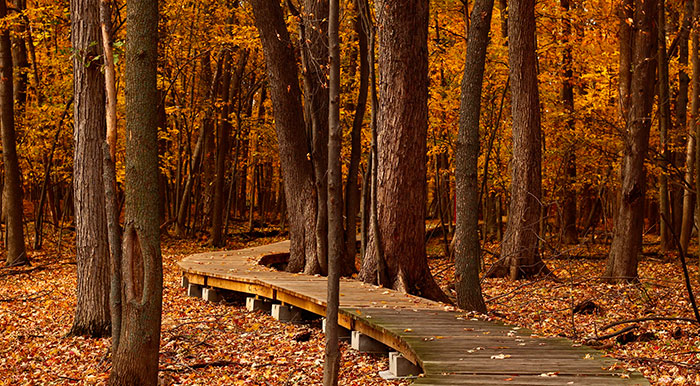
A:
x,y
402,124
92,316
316,46
297,170
336,249
16,253
142,271
664,109
467,247
520,256
625,13
352,191
20,57
569,231
681,113
689,195
629,220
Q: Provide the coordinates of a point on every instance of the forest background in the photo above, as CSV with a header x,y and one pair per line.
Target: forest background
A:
x,y
582,142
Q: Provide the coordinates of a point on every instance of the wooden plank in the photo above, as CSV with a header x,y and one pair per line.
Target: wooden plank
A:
x,y
451,348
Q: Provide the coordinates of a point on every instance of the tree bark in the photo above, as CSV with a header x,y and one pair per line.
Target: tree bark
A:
x,y
297,170
520,256
16,253
629,220
336,249
20,57
687,210
316,46
142,270
467,246
92,316
569,231
402,124
664,109
352,191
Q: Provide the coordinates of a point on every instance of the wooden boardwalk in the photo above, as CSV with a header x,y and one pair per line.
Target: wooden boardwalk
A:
x,y
450,348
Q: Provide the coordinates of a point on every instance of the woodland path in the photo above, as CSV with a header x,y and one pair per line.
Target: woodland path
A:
x,y
452,349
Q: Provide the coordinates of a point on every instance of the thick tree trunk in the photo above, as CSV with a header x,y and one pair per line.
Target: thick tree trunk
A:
x,y
20,57
12,190
402,124
629,220
467,247
297,170
142,270
92,316
520,256
336,249
625,13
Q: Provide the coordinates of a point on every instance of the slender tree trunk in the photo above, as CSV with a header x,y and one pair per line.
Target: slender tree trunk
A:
x,y
520,256
184,204
316,46
12,189
681,110
629,220
142,270
352,191
336,250
297,170
664,109
689,195
467,247
402,124
92,316
569,231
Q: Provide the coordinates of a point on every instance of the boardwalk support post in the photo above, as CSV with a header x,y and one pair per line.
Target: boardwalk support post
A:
x,y
286,313
211,295
401,367
364,343
194,290
254,304
184,282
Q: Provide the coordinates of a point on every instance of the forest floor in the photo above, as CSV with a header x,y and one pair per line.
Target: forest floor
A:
x,y
218,344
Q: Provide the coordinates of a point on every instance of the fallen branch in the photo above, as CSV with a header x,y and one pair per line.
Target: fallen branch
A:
x,y
646,319
201,365
616,333
21,271
34,296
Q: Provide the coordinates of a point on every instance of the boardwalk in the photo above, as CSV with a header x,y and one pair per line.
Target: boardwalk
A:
x,y
450,348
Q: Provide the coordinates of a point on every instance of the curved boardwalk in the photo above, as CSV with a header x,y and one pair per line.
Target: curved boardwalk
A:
x,y
450,348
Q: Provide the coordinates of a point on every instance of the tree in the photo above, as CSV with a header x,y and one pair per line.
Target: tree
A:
x,y
336,248
569,232
664,110
12,205
142,271
297,170
402,121
629,219
315,46
467,247
688,210
520,248
92,316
